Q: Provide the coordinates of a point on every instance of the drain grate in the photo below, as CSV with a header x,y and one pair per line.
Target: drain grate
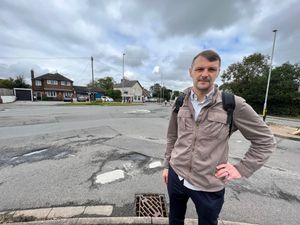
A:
x,y
153,205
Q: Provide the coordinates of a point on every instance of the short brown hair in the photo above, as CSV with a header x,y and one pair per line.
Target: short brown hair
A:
x,y
210,55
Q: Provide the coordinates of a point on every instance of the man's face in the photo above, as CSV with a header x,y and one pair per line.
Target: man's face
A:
x,y
204,74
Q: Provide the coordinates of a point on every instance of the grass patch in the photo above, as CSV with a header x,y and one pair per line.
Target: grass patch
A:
x,y
101,104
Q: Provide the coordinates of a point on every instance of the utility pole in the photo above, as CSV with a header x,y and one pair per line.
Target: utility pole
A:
x,y
123,80
92,64
163,91
269,78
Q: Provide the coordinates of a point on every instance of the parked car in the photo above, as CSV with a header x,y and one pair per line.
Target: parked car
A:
x,y
106,99
82,98
68,99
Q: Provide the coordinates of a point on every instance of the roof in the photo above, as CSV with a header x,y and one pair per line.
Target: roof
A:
x,y
127,83
84,89
52,76
146,93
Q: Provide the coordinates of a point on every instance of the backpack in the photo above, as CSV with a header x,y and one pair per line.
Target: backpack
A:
x,y
228,105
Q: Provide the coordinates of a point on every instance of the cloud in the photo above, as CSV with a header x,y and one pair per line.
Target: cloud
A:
x,y
62,36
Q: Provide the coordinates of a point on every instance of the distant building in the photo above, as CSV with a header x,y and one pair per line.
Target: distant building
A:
x,y
131,90
88,92
52,87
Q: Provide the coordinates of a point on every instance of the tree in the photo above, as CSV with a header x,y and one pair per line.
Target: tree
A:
x,y
19,82
284,98
248,79
155,90
11,83
115,94
106,83
7,83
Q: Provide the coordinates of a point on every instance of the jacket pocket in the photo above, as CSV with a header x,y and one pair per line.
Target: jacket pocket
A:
x,y
216,125
185,120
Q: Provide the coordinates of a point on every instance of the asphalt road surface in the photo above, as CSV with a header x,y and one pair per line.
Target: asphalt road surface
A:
x,y
56,155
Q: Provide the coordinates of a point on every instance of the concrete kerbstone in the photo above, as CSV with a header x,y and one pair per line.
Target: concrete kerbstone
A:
x,y
71,221
66,212
101,210
37,213
236,223
114,220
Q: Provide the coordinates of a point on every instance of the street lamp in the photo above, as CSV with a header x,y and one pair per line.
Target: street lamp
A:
x,y
123,80
269,77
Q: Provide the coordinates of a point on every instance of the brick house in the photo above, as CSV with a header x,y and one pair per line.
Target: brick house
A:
x,y
52,87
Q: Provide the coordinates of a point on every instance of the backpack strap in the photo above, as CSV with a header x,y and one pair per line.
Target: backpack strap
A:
x,y
229,106
179,103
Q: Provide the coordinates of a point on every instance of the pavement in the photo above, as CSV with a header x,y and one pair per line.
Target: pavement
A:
x,y
101,214
284,131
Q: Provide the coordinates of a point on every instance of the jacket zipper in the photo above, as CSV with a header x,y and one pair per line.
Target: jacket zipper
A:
x,y
194,143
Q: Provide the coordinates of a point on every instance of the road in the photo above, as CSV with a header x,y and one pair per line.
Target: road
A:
x,y
56,155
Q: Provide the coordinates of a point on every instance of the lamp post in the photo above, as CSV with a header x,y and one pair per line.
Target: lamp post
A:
x,y
269,77
123,80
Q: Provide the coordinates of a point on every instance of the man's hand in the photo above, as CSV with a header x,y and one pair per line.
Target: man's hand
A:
x,y
227,172
165,175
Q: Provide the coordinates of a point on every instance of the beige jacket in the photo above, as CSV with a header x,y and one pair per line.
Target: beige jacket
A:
x,y
195,148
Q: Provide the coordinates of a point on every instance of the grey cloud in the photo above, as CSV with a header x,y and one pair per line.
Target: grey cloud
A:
x,y
135,55
16,69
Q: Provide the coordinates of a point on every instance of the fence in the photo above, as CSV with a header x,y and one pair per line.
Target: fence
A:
x,y
6,92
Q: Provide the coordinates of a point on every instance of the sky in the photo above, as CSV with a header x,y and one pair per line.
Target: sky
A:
x,y
156,38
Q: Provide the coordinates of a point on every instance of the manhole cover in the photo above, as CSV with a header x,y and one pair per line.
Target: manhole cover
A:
x,y
153,205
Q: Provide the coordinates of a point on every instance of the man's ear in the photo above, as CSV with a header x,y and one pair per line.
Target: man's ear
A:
x,y
190,72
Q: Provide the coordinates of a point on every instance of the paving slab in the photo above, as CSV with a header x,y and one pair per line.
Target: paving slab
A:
x,y
114,220
66,212
236,223
101,210
37,213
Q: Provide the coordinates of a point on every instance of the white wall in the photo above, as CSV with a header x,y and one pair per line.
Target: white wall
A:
x,y
8,99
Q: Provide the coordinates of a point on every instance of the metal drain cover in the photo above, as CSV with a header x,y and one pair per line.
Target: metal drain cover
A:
x,y
153,205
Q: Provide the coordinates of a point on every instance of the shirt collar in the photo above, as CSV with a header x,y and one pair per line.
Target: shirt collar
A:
x,y
208,97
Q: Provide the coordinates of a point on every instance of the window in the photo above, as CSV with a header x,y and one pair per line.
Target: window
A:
x,y
65,83
125,92
51,94
53,82
38,83
68,94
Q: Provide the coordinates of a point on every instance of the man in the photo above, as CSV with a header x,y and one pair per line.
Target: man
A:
x,y
196,159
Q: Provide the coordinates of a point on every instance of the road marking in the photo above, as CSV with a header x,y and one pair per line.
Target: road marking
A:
x,y
36,152
109,177
155,164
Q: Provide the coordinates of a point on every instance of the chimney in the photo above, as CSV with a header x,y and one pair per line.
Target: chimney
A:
x,y
32,74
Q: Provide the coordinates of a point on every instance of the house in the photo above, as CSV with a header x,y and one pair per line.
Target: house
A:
x,y
52,87
131,90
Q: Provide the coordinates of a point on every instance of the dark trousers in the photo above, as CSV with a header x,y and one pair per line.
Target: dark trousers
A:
x,y
208,204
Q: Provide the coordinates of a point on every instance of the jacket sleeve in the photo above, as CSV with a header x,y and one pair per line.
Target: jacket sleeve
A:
x,y
171,138
254,129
